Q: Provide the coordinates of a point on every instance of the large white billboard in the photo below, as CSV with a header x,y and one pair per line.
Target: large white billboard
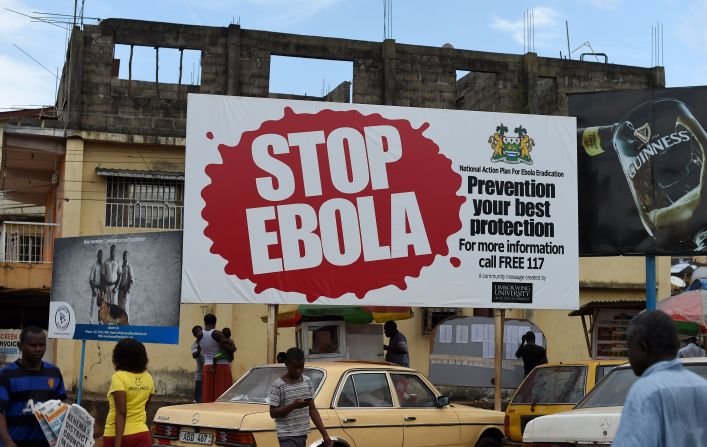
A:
x,y
311,202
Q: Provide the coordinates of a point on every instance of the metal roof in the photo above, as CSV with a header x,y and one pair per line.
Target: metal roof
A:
x,y
158,175
589,308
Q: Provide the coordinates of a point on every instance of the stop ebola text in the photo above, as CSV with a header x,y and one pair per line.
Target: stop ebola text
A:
x,y
347,227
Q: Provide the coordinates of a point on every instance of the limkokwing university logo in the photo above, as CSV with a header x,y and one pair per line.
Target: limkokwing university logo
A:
x,y
511,149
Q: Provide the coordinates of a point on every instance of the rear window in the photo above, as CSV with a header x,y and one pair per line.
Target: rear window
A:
x,y
553,385
612,391
603,370
254,387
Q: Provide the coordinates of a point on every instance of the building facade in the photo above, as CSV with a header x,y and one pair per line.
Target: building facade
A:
x,y
112,160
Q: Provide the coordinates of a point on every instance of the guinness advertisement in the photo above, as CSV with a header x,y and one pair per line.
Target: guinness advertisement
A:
x,y
641,171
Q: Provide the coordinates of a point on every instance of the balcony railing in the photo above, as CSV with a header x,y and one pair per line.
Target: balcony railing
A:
x,y
28,242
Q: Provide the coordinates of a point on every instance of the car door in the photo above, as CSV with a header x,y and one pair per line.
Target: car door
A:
x,y
365,408
424,424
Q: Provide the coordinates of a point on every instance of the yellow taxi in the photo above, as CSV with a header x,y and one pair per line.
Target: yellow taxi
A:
x,y
552,388
361,405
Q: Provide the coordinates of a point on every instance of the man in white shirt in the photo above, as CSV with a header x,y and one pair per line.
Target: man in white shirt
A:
x,y
109,273
692,349
126,278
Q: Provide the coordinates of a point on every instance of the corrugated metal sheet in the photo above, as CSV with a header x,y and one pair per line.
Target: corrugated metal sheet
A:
x,y
105,172
589,308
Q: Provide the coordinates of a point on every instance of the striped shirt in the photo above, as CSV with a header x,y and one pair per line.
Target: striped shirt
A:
x,y
296,422
17,386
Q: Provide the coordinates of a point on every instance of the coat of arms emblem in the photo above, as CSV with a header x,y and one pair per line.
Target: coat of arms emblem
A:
x,y
510,149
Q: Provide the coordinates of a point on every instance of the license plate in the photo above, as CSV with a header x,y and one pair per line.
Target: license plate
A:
x,y
196,438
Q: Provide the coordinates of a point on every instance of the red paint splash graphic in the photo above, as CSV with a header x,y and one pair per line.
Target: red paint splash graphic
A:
x,y
421,172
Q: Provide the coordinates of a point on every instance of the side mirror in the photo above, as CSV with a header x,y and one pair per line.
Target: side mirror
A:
x,y
442,401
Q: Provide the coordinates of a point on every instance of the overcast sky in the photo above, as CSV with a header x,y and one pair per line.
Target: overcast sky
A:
x,y
619,28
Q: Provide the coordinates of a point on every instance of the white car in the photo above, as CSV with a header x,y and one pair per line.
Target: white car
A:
x,y
595,419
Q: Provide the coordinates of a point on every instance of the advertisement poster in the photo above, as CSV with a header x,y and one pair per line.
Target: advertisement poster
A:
x,y
9,351
115,286
302,202
609,336
642,172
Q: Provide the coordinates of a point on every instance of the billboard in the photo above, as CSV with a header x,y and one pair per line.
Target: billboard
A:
x,y
116,286
9,351
642,172
301,201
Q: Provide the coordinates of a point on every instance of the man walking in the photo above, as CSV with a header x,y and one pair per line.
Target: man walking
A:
x,y
292,404
126,278
691,350
94,280
665,407
397,346
109,274
532,354
28,378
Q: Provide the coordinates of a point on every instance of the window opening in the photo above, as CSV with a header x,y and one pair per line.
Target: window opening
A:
x,y
307,78
176,66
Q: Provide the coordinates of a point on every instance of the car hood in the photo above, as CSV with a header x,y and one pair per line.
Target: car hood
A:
x,y
585,424
216,414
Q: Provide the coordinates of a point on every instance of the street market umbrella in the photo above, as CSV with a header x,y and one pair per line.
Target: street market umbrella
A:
x,y
687,310
350,314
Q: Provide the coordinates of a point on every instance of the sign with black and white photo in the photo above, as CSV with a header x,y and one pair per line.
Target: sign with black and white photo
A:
x,y
351,204
642,171
116,286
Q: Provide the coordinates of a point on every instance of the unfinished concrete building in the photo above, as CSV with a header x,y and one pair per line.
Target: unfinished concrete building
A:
x,y
109,130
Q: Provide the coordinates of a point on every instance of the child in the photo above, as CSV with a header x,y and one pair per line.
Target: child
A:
x,y
226,347
292,404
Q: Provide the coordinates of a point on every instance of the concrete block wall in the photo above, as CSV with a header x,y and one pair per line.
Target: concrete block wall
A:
x,y
236,61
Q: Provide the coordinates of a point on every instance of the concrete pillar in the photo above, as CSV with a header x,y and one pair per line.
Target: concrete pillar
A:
x,y
68,352
73,95
657,79
389,80
530,79
233,67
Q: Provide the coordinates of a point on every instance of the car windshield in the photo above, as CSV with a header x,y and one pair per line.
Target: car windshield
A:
x,y
552,385
612,391
254,387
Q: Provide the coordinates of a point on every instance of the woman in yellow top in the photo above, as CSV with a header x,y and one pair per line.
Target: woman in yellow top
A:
x,y
128,396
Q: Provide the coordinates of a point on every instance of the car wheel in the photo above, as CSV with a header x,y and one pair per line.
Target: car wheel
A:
x,y
488,442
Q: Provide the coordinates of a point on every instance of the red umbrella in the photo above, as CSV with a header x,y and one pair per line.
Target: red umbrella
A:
x,y
687,310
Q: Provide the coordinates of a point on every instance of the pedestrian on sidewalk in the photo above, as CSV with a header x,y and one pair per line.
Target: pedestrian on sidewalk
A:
x,y
665,406
131,389
532,354
692,349
216,377
197,332
292,404
28,378
397,346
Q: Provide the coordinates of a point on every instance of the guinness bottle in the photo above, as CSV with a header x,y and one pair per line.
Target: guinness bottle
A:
x,y
661,148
